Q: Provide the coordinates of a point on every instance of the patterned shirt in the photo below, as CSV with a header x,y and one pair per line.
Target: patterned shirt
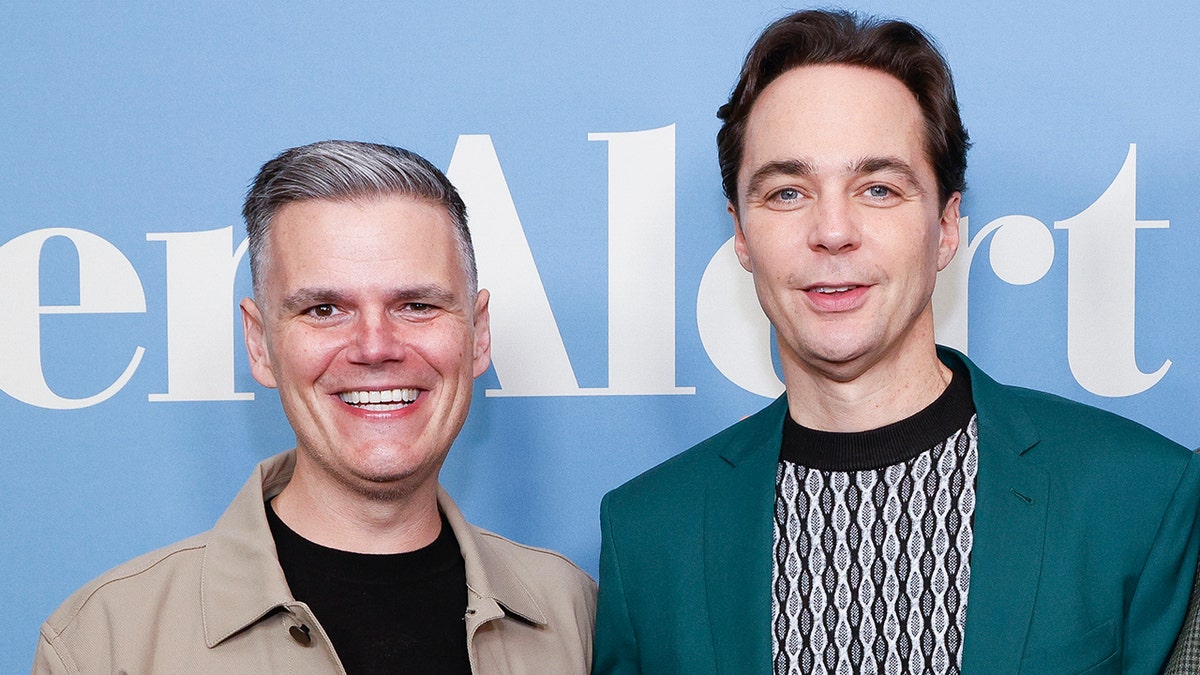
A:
x,y
873,543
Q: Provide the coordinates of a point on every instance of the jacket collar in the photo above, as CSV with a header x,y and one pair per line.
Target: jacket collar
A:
x,y
241,581
1009,530
755,439
738,539
1001,415
493,587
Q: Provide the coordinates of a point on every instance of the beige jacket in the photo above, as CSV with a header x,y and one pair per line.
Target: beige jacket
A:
x,y
218,603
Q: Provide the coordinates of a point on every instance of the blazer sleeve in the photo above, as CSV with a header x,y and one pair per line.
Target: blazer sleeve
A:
x,y
1185,658
1160,598
615,650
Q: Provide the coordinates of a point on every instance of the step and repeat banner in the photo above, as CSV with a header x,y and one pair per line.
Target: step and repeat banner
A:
x,y
582,138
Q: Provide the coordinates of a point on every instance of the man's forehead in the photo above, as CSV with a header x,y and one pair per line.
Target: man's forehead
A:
x,y
331,234
835,119
845,82
836,96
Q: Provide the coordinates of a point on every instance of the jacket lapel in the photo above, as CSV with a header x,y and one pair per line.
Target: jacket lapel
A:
x,y
241,581
739,503
492,586
1009,531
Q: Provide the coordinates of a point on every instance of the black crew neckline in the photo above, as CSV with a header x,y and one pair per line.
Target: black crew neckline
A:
x,y
888,445
384,568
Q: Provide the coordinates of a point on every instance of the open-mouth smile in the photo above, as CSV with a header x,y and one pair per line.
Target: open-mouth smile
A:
x,y
380,400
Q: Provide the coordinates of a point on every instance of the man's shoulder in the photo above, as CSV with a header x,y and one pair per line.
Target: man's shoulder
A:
x,y
1050,406
1089,451
1102,434
1063,430
690,469
547,605
133,583
537,564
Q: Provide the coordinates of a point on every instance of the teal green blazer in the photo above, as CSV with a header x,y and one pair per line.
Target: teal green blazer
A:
x,y
1085,543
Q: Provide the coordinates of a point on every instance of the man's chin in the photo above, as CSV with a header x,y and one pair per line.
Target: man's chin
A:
x,y
840,363
387,487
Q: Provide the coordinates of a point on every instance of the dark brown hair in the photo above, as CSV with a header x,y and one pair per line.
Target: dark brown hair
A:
x,y
821,37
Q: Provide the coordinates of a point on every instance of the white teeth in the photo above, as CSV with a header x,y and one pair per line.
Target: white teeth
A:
x,y
371,399
832,289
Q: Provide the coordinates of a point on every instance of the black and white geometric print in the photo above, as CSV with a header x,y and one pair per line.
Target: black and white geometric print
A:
x,y
872,567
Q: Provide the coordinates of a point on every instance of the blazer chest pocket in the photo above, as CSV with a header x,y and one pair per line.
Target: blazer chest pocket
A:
x,y
1093,653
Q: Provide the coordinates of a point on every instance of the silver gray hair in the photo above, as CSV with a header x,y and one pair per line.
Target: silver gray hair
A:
x,y
344,171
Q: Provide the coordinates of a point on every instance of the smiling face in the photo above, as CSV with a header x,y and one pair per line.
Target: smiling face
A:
x,y
839,220
366,325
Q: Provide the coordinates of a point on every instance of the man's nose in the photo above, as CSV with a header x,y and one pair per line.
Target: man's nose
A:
x,y
835,228
376,339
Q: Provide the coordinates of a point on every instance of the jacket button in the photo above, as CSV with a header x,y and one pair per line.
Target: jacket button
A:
x,y
300,634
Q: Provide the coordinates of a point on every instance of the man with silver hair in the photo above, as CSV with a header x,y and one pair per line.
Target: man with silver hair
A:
x,y
344,554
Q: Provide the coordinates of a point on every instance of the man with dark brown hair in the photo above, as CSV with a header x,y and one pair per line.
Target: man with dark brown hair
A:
x,y
897,510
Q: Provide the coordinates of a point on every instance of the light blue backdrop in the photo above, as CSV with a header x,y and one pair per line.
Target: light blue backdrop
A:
x,y
133,123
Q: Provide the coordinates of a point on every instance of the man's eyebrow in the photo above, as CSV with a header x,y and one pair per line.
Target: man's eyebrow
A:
x,y
427,293
796,168
870,165
304,298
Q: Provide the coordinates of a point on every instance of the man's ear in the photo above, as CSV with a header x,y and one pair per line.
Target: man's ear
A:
x,y
739,239
257,347
483,333
948,236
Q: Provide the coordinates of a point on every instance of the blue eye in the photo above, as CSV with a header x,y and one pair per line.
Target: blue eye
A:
x,y
788,194
879,191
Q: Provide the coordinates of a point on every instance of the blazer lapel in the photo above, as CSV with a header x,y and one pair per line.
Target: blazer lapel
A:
x,y
739,503
1009,532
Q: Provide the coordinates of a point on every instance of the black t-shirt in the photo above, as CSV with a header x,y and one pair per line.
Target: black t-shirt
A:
x,y
385,613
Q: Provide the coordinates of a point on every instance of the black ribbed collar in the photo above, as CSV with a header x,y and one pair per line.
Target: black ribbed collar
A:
x,y
892,444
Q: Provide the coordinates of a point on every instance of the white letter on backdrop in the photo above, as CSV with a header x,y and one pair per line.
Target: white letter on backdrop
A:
x,y
108,284
641,261
200,315
1101,260
733,329
1021,253
527,350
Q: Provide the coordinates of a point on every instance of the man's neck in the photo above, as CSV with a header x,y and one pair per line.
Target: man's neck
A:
x,y
329,514
888,391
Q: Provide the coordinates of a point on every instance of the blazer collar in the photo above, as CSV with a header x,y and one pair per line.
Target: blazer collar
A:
x,y
738,539
1009,530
